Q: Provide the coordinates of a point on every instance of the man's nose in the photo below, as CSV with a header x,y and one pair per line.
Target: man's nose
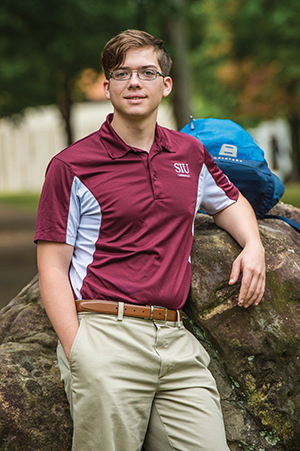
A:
x,y
134,79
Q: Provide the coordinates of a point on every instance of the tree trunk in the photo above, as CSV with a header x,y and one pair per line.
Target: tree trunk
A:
x,y
295,135
180,68
64,103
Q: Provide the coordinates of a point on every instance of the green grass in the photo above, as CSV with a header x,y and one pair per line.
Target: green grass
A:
x,y
30,201
24,201
292,194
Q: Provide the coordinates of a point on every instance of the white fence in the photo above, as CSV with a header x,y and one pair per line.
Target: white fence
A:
x,y
26,147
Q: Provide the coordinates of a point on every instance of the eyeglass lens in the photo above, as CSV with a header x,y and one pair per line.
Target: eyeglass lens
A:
x,y
143,74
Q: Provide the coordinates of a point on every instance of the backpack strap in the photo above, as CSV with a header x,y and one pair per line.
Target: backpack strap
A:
x,y
292,223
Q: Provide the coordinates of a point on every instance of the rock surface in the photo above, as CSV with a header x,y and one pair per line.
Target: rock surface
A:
x,y
34,413
255,353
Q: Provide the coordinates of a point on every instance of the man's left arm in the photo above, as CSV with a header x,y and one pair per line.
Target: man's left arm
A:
x,y
239,220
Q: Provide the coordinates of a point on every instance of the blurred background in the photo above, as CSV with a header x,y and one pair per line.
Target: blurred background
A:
x,y
235,59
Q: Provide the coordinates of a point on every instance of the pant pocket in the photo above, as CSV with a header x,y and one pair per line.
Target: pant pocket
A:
x,y
203,355
81,319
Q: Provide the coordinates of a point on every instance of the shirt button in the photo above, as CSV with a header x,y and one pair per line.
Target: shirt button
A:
x,y
154,177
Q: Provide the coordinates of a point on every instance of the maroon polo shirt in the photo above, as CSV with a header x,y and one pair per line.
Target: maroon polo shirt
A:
x,y
129,214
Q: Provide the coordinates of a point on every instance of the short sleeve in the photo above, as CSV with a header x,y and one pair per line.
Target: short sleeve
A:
x,y
218,191
53,210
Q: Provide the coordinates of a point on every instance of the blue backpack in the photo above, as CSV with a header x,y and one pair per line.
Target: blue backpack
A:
x,y
242,160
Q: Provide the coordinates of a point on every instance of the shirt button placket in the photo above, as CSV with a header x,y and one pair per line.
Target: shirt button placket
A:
x,y
156,185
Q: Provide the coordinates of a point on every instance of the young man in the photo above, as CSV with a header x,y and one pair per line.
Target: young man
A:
x,y
114,233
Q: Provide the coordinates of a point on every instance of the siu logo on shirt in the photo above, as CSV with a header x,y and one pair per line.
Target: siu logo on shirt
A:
x,y
182,169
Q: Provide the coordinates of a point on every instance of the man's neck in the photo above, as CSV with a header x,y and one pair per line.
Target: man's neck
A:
x,y
136,133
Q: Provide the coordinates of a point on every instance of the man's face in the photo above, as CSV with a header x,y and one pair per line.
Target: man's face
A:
x,y
134,97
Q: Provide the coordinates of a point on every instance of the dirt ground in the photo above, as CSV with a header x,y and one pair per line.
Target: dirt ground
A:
x,y
17,251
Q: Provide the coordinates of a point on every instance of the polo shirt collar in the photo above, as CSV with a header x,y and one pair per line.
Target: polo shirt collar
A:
x,y
117,148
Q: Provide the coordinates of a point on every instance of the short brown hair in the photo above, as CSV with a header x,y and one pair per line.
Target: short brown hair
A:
x,y
114,52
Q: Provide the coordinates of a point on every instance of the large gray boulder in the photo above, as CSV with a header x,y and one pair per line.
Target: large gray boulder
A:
x,y
34,412
255,353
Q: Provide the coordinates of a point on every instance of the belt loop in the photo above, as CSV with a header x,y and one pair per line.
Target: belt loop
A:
x,y
151,313
166,314
178,318
120,311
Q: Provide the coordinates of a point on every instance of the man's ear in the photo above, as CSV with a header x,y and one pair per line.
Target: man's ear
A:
x,y
106,89
168,83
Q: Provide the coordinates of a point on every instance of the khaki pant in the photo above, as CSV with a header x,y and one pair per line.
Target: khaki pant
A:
x,y
132,379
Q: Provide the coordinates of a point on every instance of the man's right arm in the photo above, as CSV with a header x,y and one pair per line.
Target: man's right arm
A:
x,y
53,265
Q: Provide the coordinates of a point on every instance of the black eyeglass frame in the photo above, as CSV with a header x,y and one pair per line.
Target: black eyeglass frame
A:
x,y
111,75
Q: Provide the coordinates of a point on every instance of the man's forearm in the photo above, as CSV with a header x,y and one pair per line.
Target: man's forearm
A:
x,y
240,222
59,304
56,291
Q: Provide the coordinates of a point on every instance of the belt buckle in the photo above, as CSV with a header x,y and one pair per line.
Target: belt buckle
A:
x,y
166,311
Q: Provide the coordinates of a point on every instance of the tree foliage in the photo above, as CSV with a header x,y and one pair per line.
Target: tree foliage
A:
x,y
44,46
235,58
247,60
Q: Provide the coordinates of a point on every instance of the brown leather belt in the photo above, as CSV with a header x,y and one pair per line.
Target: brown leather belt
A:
x,y
137,311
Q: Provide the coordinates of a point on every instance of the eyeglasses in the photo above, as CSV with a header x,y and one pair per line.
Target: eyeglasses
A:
x,y
126,74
